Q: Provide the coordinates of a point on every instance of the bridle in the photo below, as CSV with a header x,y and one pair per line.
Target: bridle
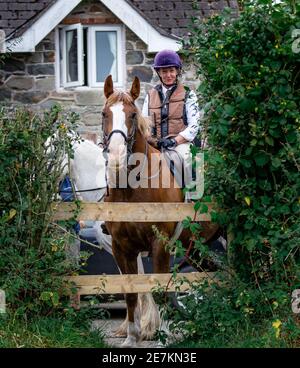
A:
x,y
129,140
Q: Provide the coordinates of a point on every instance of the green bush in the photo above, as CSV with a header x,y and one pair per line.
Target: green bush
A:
x,y
230,316
250,92
32,250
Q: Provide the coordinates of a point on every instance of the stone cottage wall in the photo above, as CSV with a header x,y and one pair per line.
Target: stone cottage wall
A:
x,y
29,79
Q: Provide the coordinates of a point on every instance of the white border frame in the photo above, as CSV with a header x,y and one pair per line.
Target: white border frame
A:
x,y
92,54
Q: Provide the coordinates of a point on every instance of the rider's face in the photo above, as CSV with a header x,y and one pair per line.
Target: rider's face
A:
x,y
168,75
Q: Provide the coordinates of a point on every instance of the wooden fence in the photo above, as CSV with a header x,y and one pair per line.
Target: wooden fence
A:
x,y
132,212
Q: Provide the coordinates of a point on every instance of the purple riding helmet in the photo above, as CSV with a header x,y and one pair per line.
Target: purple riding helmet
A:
x,y
167,58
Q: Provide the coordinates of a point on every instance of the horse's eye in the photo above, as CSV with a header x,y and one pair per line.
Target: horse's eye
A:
x,y
103,114
133,116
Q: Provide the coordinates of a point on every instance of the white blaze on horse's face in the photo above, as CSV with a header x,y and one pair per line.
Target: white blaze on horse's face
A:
x,y
117,146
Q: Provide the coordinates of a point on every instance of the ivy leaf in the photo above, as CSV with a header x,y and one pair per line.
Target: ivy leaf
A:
x,y
256,92
223,130
55,298
204,208
206,199
261,159
265,200
229,110
195,226
248,151
250,244
197,206
186,222
46,295
248,200
291,137
247,105
12,213
269,140
245,163
276,162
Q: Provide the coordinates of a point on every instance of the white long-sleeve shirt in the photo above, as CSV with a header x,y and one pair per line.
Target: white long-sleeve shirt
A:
x,y
193,114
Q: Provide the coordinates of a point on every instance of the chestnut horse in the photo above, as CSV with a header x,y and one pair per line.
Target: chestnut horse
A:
x,y
125,133
86,169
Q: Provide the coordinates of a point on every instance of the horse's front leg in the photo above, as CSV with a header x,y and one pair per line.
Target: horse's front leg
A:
x,y
160,257
128,265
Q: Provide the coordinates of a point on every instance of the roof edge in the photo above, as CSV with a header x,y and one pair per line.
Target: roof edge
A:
x,y
156,40
132,18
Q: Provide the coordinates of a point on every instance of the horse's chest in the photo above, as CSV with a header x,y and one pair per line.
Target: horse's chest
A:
x,y
140,235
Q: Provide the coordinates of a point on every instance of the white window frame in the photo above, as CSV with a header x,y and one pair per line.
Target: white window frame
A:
x,y
92,75
80,80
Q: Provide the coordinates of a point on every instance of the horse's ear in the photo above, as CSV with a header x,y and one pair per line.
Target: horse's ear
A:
x,y
135,88
108,86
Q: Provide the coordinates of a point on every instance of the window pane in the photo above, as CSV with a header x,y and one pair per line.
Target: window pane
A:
x,y
106,55
71,57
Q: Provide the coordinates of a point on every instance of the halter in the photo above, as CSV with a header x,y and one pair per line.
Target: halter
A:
x,y
129,141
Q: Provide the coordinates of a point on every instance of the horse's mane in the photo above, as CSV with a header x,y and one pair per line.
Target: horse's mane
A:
x,y
144,123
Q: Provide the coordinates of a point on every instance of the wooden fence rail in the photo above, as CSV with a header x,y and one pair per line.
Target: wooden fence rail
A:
x,y
121,284
133,212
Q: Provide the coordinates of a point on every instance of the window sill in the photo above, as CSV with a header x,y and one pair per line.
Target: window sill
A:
x,y
83,88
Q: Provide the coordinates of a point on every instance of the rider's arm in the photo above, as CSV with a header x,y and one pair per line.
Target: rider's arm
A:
x,y
194,115
179,139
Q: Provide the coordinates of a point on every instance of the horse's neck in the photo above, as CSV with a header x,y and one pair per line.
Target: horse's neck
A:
x,y
139,143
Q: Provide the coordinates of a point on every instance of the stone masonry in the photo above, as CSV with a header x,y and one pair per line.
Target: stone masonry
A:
x,y
29,79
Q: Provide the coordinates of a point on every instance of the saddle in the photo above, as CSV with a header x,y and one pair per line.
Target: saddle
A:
x,y
185,176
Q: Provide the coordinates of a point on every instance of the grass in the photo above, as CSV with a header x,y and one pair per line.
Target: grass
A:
x,y
48,332
255,336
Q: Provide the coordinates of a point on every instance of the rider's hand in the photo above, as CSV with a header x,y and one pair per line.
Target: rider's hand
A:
x,y
166,143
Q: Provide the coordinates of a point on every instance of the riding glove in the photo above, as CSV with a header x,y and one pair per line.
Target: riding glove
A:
x,y
166,143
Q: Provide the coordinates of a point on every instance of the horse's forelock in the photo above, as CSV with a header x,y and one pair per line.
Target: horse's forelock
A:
x,y
119,96
144,124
